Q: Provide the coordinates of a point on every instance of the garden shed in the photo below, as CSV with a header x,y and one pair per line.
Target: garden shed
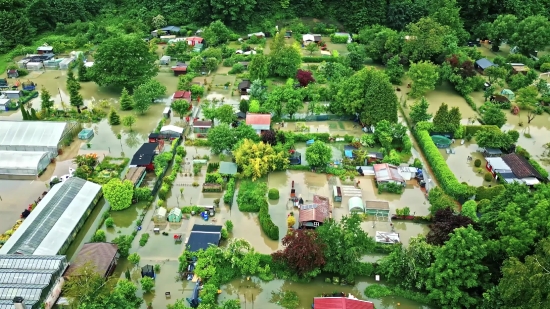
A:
x,y
148,271
483,64
228,168
377,208
175,215
22,64
4,104
33,135
508,93
35,66
12,94
136,175
165,60
355,204
160,215
16,164
171,131
65,63
202,127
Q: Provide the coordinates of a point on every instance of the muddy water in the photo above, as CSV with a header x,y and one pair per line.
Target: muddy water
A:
x,y
257,294
333,127
336,151
538,129
464,170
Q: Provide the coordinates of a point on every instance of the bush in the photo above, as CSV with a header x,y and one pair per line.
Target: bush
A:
x,y
540,169
230,192
477,163
488,193
304,137
180,151
319,59
229,225
488,176
109,222
273,194
251,195
390,187
157,268
441,170
143,239
377,291
225,234
269,228
134,258
339,39
147,284
99,236
237,68
417,163
229,62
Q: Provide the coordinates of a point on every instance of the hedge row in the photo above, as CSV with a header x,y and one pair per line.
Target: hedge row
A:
x,y
488,193
230,192
472,129
319,59
251,198
441,170
540,169
269,228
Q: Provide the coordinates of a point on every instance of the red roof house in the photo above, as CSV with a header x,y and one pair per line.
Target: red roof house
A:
x,y
259,122
193,40
182,95
179,70
341,303
313,215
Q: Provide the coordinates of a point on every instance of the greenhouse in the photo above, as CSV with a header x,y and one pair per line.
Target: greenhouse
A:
x,y
36,279
33,135
56,220
22,163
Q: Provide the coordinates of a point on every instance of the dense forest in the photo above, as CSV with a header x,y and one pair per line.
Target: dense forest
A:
x,y
22,20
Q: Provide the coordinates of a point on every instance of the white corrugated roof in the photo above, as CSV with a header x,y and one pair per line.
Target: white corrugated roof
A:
x,y
498,164
171,128
30,133
20,160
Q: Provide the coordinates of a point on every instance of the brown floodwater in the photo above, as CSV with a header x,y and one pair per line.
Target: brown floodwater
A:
x,y
539,133
464,170
255,293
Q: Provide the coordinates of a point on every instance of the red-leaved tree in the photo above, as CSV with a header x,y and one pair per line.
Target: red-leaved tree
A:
x,y
303,252
304,77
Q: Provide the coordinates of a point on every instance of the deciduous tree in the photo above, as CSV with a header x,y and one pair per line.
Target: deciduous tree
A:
x,y
146,93
46,102
368,93
380,41
285,59
221,138
458,269
532,33
181,107
502,28
123,61
493,115
128,121
118,193
425,39
245,131
346,243
311,48
395,70
424,76
445,221
319,154
216,33
469,209
303,253
496,74
147,284
258,68
226,114
419,111
304,77
258,159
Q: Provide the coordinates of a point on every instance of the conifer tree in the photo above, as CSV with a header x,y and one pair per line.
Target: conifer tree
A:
x,y
126,101
114,118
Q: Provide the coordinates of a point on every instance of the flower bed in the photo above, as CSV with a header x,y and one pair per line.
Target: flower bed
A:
x,y
212,187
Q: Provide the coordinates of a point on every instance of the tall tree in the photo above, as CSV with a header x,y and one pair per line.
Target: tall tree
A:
x,y
425,39
46,102
146,93
226,114
419,111
493,115
346,243
380,41
318,154
126,101
424,76
446,120
395,70
221,138
258,68
124,61
209,110
368,93
15,27
128,121
303,253
216,33
285,59
532,33
258,159
181,107
458,270
502,28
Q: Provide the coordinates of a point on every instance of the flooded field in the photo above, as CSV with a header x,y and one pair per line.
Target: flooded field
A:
x,y
532,136
255,293
464,170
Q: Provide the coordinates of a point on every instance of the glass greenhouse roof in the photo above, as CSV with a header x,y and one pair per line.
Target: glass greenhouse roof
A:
x,y
30,133
24,160
49,225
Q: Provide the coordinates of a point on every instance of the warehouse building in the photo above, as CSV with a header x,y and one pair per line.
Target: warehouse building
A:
x,y
32,281
56,220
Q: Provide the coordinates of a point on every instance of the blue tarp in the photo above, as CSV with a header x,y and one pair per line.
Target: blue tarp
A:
x,y
348,153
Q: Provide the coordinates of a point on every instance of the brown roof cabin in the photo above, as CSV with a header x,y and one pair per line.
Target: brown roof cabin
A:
x,y
498,99
101,255
519,68
244,86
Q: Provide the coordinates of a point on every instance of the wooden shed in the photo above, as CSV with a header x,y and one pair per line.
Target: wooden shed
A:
x,y
377,208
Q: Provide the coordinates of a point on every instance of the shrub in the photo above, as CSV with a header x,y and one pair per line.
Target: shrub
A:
x,y
339,39
147,284
251,195
109,222
488,193
477,163
319,59
134,258
181,151
273,194
488,176
224,233
99,236
442,172
269,228
417,163
540,169
390,187
143,239
229,62
157,268
377,291
237,68
229,225
230,192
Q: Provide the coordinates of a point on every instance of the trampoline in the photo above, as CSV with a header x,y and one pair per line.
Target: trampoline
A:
x,y
441,141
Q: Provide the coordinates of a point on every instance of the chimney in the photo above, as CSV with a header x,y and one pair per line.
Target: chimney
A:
x,y
18,303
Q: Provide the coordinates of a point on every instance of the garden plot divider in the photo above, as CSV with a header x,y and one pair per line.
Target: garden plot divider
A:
x,y
158,182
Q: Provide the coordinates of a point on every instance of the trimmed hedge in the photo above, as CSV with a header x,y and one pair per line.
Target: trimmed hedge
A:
x,y
230,192
251,198
472,129
269,228
273,194
441,170
319,59
540,169
339,39
488,193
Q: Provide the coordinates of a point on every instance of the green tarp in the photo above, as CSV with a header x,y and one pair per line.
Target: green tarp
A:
x,y
441,141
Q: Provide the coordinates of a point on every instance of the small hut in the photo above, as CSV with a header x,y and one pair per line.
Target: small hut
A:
x,y
175,215
165,60
160,215
35,66
377,208
148,271
355,204
508,93
65,63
